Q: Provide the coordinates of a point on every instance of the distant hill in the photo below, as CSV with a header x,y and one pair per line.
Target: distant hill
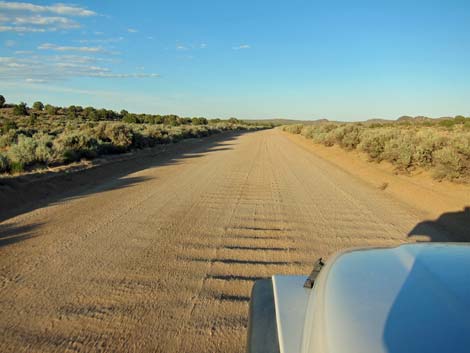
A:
x,y
286,121
402,119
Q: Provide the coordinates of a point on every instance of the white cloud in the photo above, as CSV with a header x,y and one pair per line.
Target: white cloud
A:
x,y
203,45
181,47
49,46
125,75
242,46
56,21
101,40
46,68
22,17
60,9
132,30
34,80
10,43
23,29
23,52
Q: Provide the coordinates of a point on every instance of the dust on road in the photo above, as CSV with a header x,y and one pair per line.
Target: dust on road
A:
x,y
162,259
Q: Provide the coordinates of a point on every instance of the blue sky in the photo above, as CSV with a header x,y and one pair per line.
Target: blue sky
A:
x,y
344,60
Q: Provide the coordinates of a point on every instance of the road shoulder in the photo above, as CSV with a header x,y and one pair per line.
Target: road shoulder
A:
x,y
418,190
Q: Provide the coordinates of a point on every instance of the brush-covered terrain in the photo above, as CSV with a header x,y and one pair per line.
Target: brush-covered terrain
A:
x,y
45,136
441,146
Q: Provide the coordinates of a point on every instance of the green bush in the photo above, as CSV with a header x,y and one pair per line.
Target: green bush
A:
x,y
443,146
348,136
72,146
62,135
428,142
24,151
51,110
20,109
448,164
38,106
120,135
9,125
4,163
16,167
373,142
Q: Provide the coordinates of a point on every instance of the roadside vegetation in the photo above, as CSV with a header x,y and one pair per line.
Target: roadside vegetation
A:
x,y
441,146
45,136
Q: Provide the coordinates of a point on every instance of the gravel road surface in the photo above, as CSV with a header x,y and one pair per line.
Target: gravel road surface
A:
x,y
159,253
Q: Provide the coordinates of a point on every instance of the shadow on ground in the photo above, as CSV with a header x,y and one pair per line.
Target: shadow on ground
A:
x,y
11,233
450,226
21,195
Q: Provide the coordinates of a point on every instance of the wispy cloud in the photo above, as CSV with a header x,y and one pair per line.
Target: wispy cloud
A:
x,y
55,21
132,30
23,52
49,46
191,46
60,9
34,80
46,68
22,17
242,46
10,43
100,40
24,29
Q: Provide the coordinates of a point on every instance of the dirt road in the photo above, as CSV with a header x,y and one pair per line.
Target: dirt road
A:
x,y
160,254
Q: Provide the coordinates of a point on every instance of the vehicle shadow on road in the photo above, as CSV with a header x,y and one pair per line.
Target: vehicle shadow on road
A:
x,y
20,195
448,227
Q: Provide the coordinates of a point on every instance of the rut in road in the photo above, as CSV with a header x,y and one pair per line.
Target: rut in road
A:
x,y
166,264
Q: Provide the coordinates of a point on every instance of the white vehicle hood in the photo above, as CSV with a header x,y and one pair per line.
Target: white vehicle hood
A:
x,y
412,298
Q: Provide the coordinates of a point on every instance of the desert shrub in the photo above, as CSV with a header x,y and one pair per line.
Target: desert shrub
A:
x,y
417,144
16,167
38,106
8,138
2,101
197,121
453,161
9,125
448,164
448,123
72,146
120,135
308,131
428,142
294,129
43,152
53,137
373,142
20,109
4,163
130,119
51,110
23,151
400,150
28,150
347,136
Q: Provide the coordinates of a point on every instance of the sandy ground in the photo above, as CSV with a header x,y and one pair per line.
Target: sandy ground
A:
x,y
159,253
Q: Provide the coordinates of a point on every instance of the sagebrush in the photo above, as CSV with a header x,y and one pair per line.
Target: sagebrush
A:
x,y
441,146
